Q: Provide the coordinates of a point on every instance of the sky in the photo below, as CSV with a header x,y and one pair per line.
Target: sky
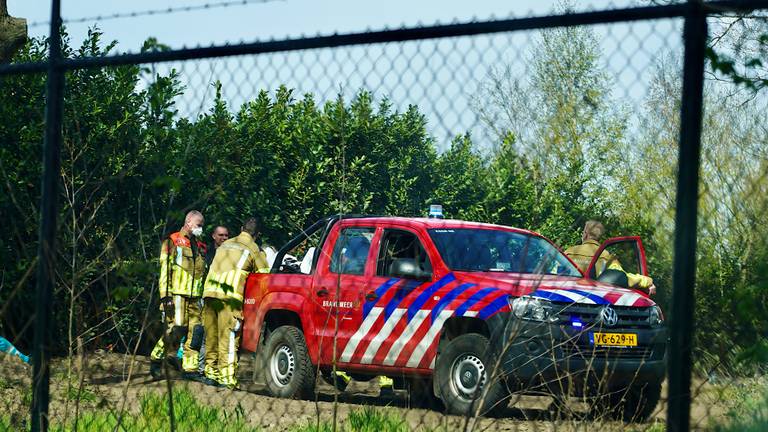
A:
x,y
441,77
262,19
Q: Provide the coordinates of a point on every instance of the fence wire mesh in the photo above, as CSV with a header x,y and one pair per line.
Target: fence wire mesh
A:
x,y
392,322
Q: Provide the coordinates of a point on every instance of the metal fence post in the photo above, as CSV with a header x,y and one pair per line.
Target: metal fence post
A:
x,y
684,272
47,234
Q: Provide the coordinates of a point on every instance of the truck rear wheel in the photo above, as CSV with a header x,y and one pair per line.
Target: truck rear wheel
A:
x,y
288,371
462,373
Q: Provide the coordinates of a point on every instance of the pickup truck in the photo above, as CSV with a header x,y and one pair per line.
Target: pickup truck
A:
x,y
461,312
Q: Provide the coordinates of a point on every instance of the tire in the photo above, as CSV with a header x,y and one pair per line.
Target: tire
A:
x,y
636,403
288,371
460,372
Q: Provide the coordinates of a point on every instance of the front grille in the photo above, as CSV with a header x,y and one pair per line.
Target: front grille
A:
x,y
592,352
588,314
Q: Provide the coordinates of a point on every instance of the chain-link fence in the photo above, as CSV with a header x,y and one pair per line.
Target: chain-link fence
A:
x,y
650,120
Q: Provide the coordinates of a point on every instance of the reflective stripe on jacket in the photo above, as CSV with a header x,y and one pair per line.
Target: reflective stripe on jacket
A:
x,y
234,260
182,267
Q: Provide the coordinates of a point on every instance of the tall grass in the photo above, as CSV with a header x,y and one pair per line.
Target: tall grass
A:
x,y
748,406
190,416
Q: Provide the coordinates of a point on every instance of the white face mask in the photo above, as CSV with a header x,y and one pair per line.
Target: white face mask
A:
x,y
197,232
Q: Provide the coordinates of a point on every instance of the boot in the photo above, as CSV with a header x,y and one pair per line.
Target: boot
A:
x,y
156,370
192,376
174,362
211,382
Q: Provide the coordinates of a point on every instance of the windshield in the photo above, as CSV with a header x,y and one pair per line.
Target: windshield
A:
x,y
489,250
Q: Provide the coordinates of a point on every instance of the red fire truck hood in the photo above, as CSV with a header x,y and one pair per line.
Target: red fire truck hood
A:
x,y
558,288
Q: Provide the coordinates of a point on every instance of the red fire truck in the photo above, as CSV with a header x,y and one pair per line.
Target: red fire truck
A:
x,y
461,312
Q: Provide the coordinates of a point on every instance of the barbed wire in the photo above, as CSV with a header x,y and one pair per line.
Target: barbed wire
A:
x,y
150,12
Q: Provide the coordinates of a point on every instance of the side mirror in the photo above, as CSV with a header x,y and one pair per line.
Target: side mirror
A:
x,y
408,269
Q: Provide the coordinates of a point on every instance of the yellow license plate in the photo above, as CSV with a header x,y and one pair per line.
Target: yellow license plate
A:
x,y
614,339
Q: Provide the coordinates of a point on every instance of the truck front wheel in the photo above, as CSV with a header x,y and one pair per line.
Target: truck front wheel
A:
x,y
289,372
463,371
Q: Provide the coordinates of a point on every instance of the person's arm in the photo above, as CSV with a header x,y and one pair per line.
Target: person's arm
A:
x,y
642,282
260,262
636,281
164,282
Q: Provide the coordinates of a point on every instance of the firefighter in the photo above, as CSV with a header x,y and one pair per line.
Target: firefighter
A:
x,y
590,242
220,235
223,302
182,265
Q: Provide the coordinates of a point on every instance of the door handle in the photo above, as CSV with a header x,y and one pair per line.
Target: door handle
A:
x,y
322,292
371,296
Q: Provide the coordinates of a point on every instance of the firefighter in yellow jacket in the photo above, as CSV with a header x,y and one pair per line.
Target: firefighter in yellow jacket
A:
x,y
182,266
590,242
223,302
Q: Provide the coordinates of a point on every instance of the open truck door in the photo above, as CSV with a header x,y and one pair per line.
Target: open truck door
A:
x,y
617,257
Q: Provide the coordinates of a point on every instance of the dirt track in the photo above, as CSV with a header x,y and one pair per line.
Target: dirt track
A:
x,y
106,387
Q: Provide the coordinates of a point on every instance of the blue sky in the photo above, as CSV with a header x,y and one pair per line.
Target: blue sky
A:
x,y
273,18
440,77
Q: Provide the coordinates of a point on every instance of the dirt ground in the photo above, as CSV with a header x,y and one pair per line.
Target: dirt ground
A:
x,y
114,382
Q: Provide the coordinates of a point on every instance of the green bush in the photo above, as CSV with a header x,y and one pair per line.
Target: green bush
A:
x,y
749,408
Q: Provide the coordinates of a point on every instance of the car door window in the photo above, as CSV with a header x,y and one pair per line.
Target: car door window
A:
x,y
620,255
399,244
350,253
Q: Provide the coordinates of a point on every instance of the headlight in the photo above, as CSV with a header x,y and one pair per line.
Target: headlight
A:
x,y
533,309
656,317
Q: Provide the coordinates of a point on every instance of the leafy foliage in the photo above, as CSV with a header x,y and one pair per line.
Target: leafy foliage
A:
x,y
131,168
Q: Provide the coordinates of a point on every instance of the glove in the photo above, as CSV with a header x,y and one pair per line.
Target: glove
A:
x,y
167,307
198,333
238,325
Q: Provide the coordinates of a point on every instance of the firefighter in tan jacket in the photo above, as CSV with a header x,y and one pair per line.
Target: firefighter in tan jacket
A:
x,y
223,302
590,242
182,266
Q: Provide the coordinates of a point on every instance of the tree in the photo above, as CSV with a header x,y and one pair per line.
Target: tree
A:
x,y
460,184
733,199
566,127
737,51
13,33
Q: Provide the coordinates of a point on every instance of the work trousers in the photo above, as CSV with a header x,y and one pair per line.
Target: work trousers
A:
x,y
180,321
222,340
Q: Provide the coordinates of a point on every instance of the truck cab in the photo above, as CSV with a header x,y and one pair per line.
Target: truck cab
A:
x,y
464,312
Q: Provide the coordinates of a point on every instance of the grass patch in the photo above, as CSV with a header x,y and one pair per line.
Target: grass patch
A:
x,y
656,426
370,419
5,384
83,395
367,419
749,408
190,416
